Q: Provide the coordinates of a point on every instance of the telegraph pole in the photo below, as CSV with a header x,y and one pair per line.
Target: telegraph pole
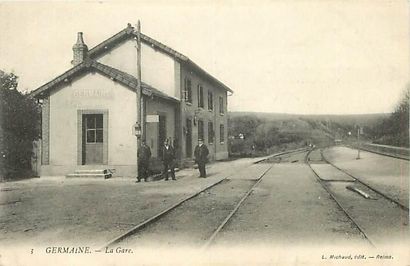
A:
x,y
358,143
138,127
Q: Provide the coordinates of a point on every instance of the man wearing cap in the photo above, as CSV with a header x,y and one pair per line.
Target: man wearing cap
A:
x,y
201,157
144,154
168,159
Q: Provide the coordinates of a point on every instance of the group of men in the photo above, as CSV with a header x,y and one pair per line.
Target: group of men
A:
x,y
169,160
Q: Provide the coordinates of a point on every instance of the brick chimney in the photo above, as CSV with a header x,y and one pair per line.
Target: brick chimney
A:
x,y
80,50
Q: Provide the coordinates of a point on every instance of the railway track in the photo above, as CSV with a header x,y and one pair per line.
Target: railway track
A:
x,y
139,229
177,209
324,182
226,220
320,180
231,214
365,184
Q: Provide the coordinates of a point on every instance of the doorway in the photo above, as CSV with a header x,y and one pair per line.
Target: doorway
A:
x,y
188,140
92,139
162,133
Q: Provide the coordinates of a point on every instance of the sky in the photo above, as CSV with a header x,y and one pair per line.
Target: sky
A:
x,y
301,57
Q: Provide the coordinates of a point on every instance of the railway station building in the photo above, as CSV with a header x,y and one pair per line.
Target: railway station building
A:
x,y
89,112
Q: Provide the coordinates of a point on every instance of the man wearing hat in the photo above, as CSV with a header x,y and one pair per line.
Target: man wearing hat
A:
x,y
143,154
201,157
168,159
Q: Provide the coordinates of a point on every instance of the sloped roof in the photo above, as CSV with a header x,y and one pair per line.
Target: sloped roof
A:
x,y
113,73
129,32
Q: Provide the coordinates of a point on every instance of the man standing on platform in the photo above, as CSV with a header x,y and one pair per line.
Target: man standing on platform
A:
x,y
201,157
168,159
144,154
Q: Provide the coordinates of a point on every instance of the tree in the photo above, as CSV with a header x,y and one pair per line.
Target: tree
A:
x,y
394,130
400,119
19,127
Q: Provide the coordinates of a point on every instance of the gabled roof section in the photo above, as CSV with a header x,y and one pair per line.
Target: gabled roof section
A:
x,y
129,32
111,42
113,73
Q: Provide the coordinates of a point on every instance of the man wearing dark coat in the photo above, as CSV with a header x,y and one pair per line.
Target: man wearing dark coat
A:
x,y
144,154
168,159
201,157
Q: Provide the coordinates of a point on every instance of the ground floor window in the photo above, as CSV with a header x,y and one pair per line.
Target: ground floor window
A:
x,y
210,132
221,133
200,129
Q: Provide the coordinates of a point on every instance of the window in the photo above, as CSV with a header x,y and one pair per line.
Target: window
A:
x,y
210,132
221,133
200,96
201,130
187,91
210,101
221,105
94,128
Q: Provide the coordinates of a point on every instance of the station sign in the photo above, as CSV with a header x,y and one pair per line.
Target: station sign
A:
x,y
152,118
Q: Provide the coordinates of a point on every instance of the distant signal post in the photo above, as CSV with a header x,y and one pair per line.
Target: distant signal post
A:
x,y
359,131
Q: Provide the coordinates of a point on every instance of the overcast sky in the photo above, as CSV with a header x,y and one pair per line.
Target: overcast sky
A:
x,y
305,57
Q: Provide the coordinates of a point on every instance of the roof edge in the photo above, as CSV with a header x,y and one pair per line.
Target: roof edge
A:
x,y
113,73
129,32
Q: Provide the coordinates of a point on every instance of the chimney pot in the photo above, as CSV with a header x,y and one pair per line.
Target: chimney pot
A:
x,y
80,50
80,38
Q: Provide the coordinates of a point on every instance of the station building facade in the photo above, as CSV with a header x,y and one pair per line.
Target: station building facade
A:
x,y
89,112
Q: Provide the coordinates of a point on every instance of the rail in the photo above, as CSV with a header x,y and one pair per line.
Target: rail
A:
x,y
138,228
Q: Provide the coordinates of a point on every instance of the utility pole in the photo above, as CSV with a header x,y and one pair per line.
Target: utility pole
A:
x,y
138,125
358,143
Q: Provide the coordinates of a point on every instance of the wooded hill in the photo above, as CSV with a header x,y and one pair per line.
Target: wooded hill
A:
x,y
266,130
269,132
354,119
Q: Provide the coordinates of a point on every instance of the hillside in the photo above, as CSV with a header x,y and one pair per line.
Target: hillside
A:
x,y
355,119
270,132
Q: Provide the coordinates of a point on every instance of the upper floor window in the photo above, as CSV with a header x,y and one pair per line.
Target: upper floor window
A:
x,y
187,90
221,105
200,96
210,101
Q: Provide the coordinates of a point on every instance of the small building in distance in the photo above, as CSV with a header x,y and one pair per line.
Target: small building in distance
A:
x,y
89,112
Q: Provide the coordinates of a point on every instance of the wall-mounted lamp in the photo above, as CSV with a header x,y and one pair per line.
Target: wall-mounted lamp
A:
x,y
197,111
137,130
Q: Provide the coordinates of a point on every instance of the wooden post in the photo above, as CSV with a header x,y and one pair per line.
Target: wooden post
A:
x,y
358,143
139,84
